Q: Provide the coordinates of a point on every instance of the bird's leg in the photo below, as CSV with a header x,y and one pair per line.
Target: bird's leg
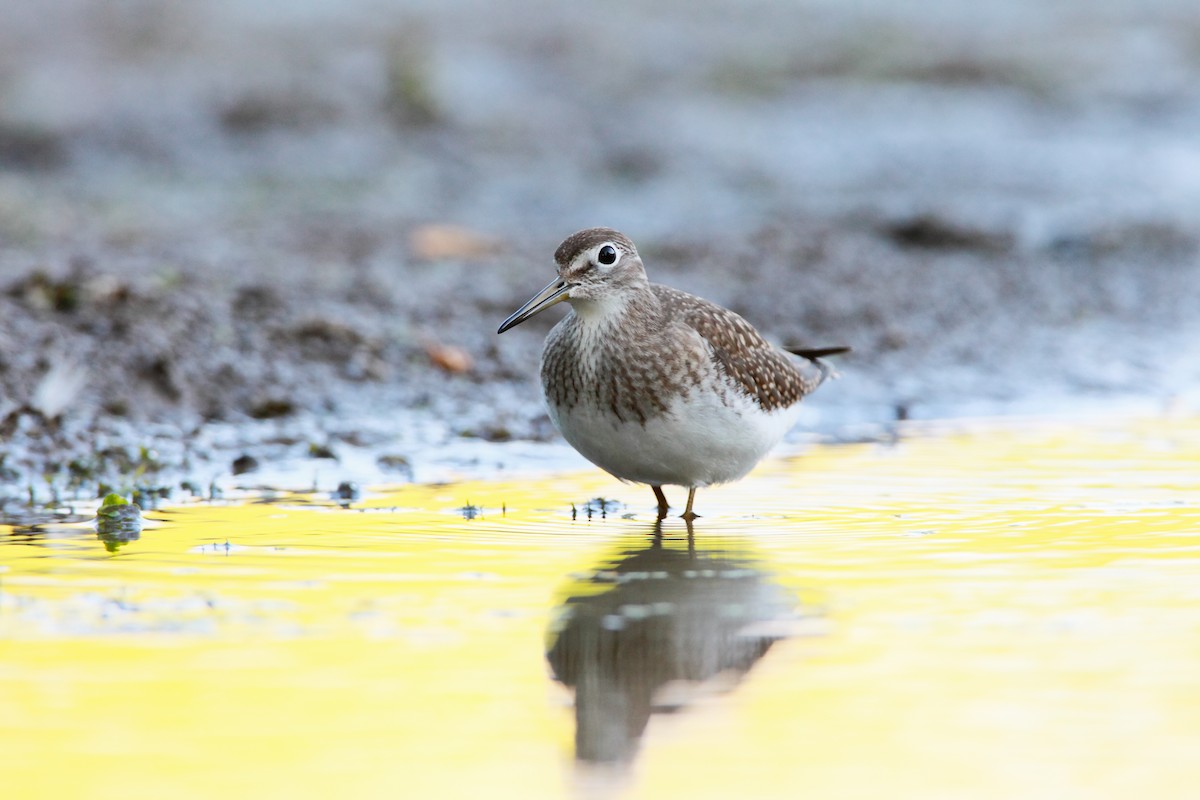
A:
x,y
687,512
663,508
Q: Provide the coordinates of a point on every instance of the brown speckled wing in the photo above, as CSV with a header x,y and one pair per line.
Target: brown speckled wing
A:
x,y
766,374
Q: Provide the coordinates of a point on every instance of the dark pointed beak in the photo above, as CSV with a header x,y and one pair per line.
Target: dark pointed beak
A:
x,y
555,292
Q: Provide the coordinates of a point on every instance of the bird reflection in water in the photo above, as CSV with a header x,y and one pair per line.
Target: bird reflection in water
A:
x,y
654,626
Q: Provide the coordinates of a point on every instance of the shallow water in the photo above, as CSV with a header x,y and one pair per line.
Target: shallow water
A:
x,y
985,612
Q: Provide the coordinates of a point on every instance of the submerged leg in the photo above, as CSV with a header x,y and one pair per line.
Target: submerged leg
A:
x,y
687,512
662,501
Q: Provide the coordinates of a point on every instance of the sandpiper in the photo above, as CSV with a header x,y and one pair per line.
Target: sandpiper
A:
x,y
657,386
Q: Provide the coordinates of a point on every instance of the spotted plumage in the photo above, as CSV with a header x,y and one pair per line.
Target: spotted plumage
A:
x,y
655,385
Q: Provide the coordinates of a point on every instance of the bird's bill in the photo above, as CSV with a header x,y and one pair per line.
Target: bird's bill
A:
x,y
555,292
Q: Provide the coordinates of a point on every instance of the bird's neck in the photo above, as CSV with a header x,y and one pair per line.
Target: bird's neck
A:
x,y
632,307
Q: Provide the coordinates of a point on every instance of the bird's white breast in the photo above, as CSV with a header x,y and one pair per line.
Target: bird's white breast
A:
x,y
703,438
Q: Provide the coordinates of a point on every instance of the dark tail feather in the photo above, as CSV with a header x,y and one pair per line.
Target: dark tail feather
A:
x,y
813,353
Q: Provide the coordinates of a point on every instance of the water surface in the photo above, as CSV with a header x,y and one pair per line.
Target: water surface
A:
x,y
989,612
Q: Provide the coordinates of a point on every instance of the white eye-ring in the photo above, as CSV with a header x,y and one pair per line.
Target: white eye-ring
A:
x,y
606,255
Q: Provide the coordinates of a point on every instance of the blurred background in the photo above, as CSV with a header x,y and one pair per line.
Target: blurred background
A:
x,y
228,212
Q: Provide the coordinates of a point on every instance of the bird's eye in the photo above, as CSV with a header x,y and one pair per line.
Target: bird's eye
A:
x,y
607,255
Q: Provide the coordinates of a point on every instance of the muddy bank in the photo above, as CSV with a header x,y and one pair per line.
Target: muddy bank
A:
x,y
225,232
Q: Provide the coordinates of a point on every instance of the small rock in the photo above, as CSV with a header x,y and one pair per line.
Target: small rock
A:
x,y
447,242
321,451
273,408
395,463
449,358
244,463
116,507
346,493
931,232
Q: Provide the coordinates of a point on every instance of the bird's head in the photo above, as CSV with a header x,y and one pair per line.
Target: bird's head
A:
x,y
596,267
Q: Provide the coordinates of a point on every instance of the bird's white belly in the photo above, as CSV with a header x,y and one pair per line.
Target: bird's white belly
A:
x,y
698,442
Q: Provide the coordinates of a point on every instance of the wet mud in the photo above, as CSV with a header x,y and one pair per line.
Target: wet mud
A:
x,y
231,237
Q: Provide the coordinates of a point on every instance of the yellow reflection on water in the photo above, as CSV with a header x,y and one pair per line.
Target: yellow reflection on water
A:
x,y
1001,613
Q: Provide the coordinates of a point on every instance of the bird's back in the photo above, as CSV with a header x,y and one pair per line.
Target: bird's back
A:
x,y
765,373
